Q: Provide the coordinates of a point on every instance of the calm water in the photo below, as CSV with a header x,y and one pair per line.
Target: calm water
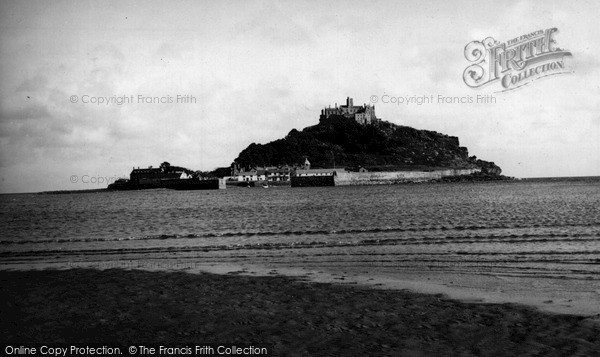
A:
x,y
547,227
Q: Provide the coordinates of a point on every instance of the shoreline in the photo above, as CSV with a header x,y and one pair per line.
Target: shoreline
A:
x,y
447,180
295,317
554,296
278,184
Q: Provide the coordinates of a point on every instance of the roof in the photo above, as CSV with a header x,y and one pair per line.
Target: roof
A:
x,y
275,171
146,170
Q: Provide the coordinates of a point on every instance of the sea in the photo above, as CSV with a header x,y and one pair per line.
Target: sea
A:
x,y
542,227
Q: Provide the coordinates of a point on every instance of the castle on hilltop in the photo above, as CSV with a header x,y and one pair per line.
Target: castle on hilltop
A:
x,y
363,115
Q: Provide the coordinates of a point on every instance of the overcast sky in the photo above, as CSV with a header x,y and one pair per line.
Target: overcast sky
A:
x,y
258,69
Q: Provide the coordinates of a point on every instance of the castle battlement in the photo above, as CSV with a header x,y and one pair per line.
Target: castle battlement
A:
x,y
363,115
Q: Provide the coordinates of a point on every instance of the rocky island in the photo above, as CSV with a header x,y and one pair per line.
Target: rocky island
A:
x,y
349,146
351,140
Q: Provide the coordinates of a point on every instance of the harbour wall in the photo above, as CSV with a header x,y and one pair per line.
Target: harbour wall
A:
x,y
393,177
312,181
177,184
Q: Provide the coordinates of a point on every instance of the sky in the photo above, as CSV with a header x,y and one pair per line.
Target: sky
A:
x,y
251,71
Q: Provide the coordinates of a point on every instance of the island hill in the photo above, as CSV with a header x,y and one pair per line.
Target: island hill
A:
x,y
349,146
353,146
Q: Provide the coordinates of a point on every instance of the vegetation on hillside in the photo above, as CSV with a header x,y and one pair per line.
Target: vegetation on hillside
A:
x,y
341,142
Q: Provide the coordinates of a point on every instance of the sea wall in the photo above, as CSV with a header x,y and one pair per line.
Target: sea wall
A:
x,y
312,181
393,177
191,184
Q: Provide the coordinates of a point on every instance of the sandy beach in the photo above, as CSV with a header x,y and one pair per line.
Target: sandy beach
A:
x,y
295,317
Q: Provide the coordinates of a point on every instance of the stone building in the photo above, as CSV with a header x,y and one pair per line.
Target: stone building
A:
x,y
153,176
363,115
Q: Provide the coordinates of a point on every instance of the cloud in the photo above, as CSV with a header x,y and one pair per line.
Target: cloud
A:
x,y
271,24
258,69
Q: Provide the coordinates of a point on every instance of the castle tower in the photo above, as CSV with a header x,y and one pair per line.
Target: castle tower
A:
x,y
349,102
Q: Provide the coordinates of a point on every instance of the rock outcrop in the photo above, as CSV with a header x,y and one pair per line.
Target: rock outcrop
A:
x,y
340,142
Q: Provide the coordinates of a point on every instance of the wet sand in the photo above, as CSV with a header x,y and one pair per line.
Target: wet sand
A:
x,y
294,316
381,270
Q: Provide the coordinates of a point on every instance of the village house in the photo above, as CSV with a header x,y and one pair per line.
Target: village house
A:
x,y
279,174
262,174
250,175
318,172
